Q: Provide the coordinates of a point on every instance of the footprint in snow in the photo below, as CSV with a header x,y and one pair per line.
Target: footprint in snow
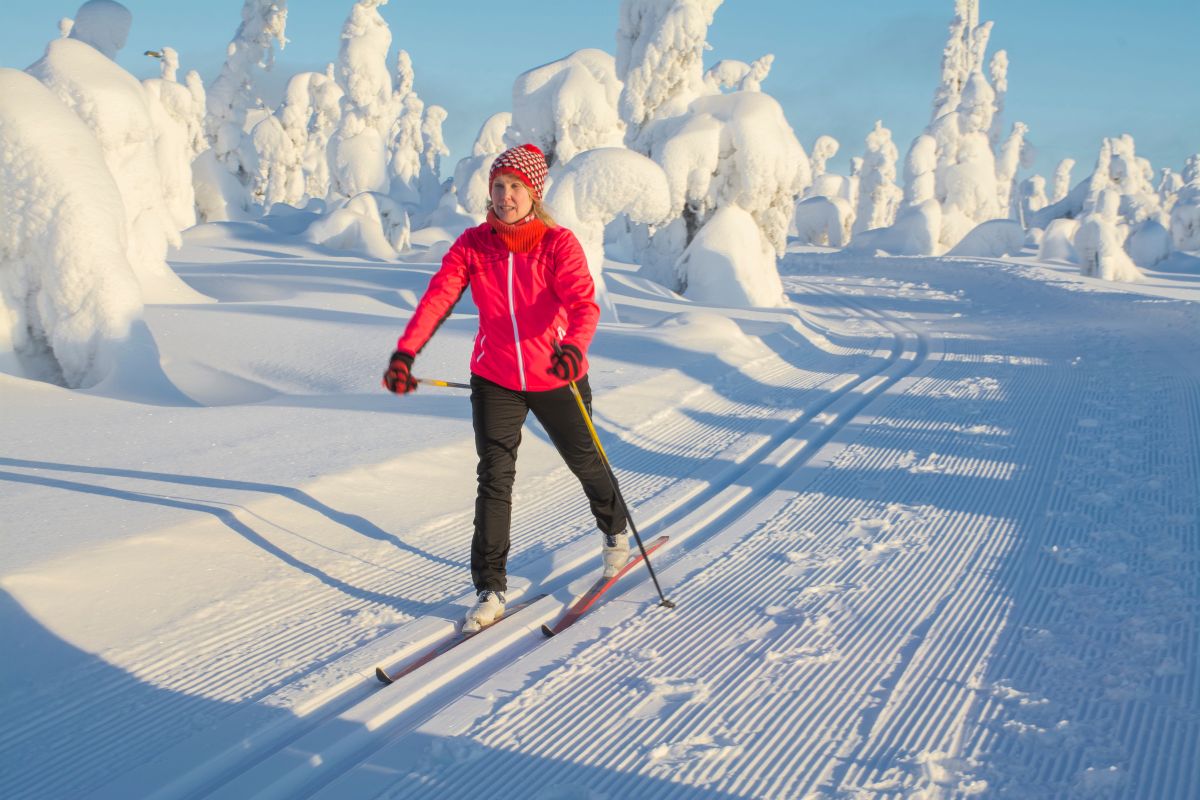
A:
x,y
668,695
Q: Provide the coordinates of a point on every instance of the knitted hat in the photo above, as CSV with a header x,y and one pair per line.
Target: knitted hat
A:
x,y
524,161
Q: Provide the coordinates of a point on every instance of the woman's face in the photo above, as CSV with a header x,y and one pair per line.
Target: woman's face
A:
x,y
511,199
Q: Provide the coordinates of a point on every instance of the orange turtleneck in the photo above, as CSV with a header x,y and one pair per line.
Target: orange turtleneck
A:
x,y
520,237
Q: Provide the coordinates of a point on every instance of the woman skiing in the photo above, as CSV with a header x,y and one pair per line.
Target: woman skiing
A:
x,y
537,315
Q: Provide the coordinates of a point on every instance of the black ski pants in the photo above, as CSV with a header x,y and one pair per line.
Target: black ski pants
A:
x,y
499,415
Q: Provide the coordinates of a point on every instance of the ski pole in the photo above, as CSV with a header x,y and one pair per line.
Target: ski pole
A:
x,y
612,479
447,384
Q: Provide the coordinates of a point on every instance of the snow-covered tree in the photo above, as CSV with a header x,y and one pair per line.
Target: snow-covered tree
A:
x,y
326,97
1033,195
1185,214
964,124
279,174
1100,241
568,106
405,145
116,107
731,156
1015,152
178,123
998,72
1062,179
433,149
68,295
828,184
727,150
738,76
879,197
597,186
471,173
660,51
233,93
359,146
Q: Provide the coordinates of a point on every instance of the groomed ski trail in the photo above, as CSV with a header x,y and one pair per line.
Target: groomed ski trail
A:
x,y
724,431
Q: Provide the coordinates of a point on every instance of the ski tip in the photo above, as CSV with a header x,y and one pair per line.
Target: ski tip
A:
x,y
383,676
546,629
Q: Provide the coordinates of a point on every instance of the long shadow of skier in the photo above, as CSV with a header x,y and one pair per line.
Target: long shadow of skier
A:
x,y
230,520
354,522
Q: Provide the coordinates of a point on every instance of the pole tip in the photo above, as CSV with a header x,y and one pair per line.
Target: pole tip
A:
x,y
667,604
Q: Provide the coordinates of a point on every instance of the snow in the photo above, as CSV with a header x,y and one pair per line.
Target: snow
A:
x,y
929,494
919,493
992,239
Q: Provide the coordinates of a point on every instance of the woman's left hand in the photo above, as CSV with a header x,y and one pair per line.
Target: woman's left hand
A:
x,y
567,363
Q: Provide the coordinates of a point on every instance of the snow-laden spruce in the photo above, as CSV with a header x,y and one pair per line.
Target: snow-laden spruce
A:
x,y
593,189
234,92
404,140
471,173
878,195
359,147
727,150
115,107
568,106
660,52
1185,215
68,295
177,114
954,161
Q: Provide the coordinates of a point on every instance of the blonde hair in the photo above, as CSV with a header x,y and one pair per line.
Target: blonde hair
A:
x,y
539,208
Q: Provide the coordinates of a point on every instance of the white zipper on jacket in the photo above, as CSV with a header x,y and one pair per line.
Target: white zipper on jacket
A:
x,y
512,312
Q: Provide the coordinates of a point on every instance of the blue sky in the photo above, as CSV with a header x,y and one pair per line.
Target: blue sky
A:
x,y
1078,70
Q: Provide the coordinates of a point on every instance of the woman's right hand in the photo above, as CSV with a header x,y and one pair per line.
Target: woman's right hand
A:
x,y
398,377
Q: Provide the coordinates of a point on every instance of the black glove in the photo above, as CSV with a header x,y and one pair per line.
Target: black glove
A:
x,y
567,363
398,377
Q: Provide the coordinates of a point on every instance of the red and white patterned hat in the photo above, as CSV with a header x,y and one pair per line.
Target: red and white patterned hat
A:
x,y
524,161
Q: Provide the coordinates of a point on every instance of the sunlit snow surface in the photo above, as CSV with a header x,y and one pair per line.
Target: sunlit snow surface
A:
x,y
933,530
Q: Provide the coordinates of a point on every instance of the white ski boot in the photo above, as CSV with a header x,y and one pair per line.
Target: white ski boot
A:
x,y
615,552
489,607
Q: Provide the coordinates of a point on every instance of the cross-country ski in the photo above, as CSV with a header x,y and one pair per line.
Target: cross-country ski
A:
x,y
597,591
461,635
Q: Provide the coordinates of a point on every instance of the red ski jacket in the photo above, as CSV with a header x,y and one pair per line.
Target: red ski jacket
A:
x,y
526,302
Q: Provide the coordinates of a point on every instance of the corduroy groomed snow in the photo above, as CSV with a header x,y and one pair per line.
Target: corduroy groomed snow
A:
x,y
527,163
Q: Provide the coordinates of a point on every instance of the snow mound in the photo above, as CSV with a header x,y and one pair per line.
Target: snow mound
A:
x,y
991,239
703,332
731,263
369,223
1149,243
824,221
915,232
1058,241
68,296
